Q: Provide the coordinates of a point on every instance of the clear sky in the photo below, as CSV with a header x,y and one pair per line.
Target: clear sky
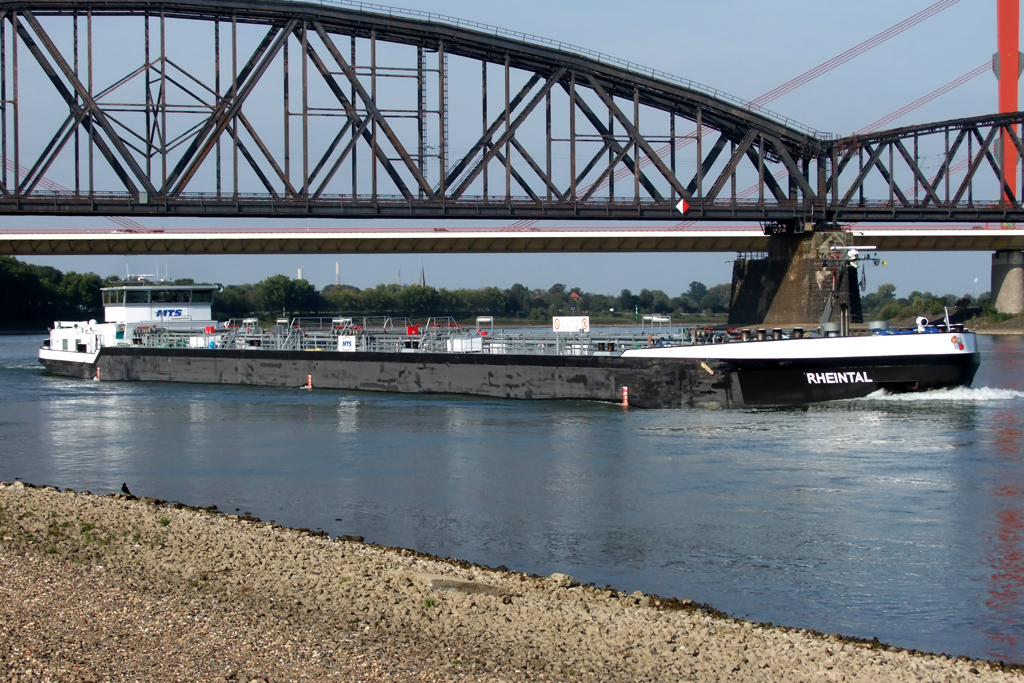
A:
x,y
741,47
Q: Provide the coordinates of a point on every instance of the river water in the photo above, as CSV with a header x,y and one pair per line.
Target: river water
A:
x,y
897,517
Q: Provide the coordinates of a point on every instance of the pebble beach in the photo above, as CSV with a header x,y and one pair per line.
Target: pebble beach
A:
x,y
115,588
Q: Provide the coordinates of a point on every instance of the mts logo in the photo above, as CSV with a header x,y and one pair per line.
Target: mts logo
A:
x,y
169,313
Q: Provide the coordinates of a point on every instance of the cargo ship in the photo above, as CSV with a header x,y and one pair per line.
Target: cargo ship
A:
x,y
163,333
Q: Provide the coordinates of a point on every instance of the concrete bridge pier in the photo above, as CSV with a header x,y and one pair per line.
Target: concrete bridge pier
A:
x,y
1008,281
795,281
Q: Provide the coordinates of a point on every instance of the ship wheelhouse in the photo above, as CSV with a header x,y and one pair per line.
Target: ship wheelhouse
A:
x,y
149,303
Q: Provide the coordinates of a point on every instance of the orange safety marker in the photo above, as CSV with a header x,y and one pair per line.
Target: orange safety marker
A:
x,y
625,397
97,373
309,381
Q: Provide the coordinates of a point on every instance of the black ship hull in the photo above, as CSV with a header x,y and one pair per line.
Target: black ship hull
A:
x,y
793,382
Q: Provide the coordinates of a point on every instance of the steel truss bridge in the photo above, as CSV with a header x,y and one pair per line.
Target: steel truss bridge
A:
x,y
145,108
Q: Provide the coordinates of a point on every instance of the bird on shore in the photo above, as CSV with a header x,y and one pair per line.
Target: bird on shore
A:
x,y
124,489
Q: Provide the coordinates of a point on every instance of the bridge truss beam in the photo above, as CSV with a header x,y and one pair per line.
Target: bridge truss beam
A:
x,y
961,171
476,240
397,117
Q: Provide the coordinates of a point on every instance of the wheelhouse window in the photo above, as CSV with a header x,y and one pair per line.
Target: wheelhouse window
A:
x,y
202,296
136,296
113,296
170,296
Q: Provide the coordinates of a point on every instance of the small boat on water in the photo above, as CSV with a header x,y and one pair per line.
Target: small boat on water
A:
x,y
160,332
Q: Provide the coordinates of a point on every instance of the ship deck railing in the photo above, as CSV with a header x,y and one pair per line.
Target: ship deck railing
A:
x,y
440,336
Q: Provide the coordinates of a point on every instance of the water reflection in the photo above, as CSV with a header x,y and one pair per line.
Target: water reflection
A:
x,y
1005,554
348,416
89,425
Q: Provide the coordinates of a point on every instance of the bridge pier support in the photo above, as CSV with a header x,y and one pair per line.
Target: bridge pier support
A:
x,y
793,283
1008,281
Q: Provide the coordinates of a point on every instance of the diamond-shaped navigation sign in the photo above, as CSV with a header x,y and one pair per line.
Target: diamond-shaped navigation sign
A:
x,y
683,206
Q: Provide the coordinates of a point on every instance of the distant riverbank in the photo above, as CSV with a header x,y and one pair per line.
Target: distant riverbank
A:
x,y
116,587
23,328
1011,326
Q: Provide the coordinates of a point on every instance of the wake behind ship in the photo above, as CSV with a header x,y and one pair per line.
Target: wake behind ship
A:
x,y
159,332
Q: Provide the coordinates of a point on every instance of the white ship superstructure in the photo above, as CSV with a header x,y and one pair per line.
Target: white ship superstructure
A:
x,y
131,310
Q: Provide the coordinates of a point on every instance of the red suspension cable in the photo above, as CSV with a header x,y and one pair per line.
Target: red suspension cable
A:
x,y
938,92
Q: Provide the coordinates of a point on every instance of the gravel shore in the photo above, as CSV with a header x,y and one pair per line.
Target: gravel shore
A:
x,y
97,588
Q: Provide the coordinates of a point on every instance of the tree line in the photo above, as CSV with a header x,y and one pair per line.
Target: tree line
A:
x,y
883,304
43,293
280,294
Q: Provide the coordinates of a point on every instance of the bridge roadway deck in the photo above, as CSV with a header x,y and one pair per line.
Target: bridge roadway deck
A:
x,y
474,240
